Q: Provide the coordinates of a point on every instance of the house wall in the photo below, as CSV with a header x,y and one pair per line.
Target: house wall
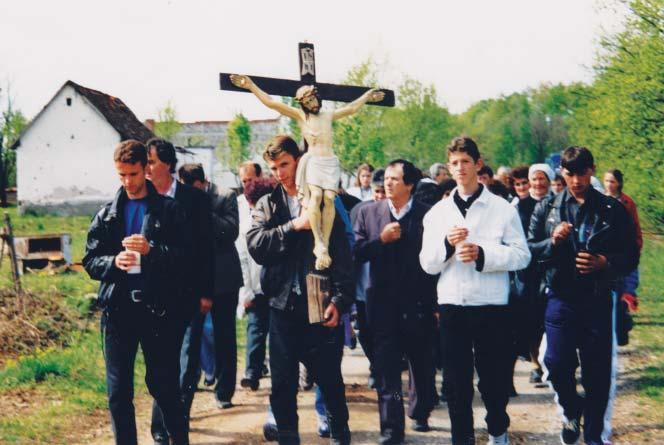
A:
x,y
65,159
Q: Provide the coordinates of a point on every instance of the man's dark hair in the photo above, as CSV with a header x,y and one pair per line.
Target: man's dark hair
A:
x,y
520,172
378,177
257,167
619,177
498,188
411,175
464,144
428,192
485,170
165,152
447,185
190,173
281,144
560,178
131,151
577,160
257,188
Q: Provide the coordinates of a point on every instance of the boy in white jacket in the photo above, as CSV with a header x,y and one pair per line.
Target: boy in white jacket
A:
x,y
472,239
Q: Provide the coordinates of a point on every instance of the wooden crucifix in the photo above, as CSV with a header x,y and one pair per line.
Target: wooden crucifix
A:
x,y
288,88
318,170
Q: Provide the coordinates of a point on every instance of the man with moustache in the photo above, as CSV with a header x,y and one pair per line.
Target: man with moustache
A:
x,y
401,300
141,300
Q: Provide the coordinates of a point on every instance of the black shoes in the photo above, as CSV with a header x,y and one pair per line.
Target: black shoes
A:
x,y
390,437
421,425
252,384
571,431
535,376
270,432
224,404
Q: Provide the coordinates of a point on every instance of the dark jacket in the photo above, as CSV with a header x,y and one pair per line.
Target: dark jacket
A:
x,y
163,225
274,243
611,235
199,266
225,229
395,276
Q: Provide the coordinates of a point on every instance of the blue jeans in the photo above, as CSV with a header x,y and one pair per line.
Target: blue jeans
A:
x,y
207,347
258,324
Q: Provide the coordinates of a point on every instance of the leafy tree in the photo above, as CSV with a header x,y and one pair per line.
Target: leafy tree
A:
x,y
12,124
238,138
167,126
622,119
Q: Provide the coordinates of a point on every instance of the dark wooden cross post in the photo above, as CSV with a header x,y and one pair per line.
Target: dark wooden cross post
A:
x,y
287,87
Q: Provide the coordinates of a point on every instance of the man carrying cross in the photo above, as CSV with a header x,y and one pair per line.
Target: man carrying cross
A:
x,y
318,171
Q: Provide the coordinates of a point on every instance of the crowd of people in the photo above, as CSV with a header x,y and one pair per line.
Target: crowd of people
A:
x,y
453,269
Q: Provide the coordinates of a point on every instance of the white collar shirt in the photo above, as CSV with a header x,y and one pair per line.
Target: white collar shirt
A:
x,y
492,224
404,210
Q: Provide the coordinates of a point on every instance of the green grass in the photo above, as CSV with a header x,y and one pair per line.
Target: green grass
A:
x,y
648,334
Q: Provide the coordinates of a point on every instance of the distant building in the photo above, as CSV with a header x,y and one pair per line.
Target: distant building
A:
x,y
194,135
64,157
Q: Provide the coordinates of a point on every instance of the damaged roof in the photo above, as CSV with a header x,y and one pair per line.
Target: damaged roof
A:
x,y
118,115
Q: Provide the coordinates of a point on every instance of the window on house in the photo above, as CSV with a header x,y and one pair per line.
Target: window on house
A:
x,y
69,101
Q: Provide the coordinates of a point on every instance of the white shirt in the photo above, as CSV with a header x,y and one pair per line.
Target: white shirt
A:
x,y
404,210
363,194
251,271
494,225
171,190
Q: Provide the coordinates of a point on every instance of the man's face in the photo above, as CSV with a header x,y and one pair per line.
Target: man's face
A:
x,y
539,183
132,177
521,187
283,169
442,175
557,186
365,178
378,192
505,179
484,178
310,104
246,175
578,183
157,171
463,168
395,188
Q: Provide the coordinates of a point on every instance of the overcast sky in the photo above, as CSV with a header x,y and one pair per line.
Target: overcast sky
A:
x,y
148,52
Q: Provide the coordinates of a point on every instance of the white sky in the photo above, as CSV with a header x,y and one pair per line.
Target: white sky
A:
x,y
150,51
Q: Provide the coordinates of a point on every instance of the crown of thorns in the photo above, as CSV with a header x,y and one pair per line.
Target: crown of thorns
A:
x,y
306,91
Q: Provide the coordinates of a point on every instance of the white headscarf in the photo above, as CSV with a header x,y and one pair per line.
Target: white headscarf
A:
x,y
544,168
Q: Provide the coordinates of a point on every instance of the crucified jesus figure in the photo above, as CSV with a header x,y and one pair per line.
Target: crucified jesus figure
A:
x,y
318,170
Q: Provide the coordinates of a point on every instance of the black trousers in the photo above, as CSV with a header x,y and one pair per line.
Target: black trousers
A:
x,y
190,358
394,335
476,337
365,333
123,329
292,340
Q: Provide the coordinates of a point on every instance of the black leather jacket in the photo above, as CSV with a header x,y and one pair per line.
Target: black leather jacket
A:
x,y
611,235
273,243
163,226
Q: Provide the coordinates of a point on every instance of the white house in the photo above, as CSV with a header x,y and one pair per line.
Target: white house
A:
x,y
65,156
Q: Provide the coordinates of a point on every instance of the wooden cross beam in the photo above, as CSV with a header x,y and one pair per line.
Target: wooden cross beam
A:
x,y
287,87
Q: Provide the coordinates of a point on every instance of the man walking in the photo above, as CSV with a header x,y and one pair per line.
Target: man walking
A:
x,y
280,240
584,240
473,239
196,269
401,300
136,249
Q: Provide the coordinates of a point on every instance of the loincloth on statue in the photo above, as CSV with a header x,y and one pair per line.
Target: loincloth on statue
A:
x,y
321,171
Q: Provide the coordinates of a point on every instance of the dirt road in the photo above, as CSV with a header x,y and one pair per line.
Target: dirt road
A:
x,y
533,416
